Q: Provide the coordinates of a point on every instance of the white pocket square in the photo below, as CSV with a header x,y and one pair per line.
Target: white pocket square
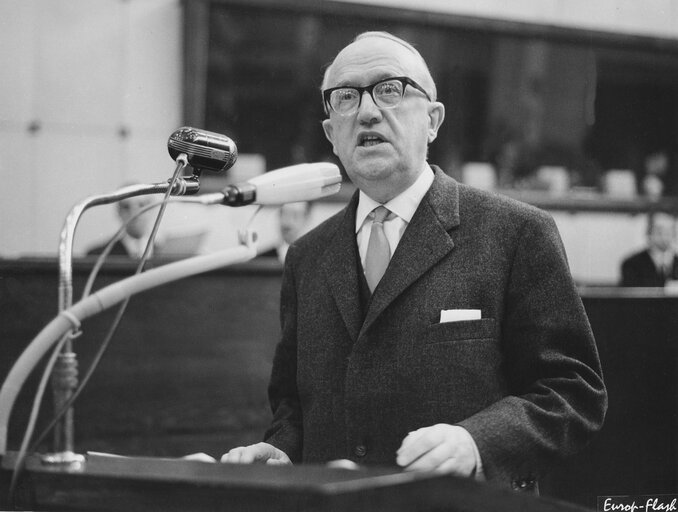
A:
x,y
457,315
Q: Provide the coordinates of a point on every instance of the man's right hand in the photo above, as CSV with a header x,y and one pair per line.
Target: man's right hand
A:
x,y
260,452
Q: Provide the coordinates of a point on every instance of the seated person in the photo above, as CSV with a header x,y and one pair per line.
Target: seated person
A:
x,y
137,230
293,222
655,265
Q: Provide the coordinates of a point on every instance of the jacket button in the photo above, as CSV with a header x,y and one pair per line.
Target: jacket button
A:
x,y
360,450
524,484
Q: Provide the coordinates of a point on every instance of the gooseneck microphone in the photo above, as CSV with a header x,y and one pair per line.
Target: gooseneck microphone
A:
x,y
301,182
204,150
211,151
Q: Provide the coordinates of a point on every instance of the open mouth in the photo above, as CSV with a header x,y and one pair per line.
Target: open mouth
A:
x,y
370,140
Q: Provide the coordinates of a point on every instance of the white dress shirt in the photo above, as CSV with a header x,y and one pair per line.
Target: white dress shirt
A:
x,y
403,206
663,261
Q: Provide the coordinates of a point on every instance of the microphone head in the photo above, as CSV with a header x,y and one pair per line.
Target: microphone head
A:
x,y
300,182
204,150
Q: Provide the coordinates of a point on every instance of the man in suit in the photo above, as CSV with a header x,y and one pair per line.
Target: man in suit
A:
x,y
472,354
137,228
657,264
294,219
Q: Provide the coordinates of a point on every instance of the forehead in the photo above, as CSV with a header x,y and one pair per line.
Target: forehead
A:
x,y
372,58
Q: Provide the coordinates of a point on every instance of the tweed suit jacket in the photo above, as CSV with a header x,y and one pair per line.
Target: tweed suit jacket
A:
x,y
524,380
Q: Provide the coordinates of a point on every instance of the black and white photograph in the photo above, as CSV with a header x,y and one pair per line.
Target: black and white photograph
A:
x,y
339,255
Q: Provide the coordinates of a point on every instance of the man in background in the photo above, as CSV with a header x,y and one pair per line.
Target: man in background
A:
x,y
294,219
137,229
657,264
428,325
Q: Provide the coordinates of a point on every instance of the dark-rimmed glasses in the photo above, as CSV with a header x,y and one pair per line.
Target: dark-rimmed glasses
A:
x,y
386,93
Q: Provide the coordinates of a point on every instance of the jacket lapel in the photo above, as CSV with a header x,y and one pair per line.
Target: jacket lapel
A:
x,y
425,242
339,262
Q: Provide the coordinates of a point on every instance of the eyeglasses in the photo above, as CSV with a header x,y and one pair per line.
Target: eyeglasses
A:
x,y
387,93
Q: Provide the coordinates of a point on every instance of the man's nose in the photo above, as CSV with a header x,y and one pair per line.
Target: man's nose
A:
x,y
368,112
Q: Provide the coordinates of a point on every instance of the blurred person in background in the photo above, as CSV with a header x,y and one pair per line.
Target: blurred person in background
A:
x,y
657,264
294,218
137,230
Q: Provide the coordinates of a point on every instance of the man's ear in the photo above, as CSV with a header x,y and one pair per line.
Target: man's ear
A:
x,y
436,115
329,133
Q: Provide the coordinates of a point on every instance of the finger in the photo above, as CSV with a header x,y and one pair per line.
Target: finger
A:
x,y
431,459
409,442
226,458
202,457
248,455
456,466
277,462
410,438
231,456
263,452
416,445
240,455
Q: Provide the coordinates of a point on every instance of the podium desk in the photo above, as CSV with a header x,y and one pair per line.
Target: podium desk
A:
x,y
188,369
104,483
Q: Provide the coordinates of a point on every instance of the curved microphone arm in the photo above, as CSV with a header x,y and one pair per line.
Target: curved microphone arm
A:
x,y
184,186
64,379
113,294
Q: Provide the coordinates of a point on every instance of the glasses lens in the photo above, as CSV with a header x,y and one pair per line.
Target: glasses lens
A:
x,y
344,100
389,93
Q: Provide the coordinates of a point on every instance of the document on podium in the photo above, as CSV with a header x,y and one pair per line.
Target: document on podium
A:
x,y
200,456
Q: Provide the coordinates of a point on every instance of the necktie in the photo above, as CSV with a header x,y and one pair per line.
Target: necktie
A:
x,y
378,251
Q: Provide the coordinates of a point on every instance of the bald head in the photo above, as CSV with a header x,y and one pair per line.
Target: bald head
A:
x,y
413,63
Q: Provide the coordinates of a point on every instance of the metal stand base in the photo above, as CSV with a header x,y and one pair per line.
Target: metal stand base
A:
x,y
66,458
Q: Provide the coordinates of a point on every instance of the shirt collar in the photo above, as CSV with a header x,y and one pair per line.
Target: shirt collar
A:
x,y
661,258
403,205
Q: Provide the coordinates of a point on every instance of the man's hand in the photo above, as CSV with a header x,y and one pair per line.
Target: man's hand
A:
x,y
260,452
444,448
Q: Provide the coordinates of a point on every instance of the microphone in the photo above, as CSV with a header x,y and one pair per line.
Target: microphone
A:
x,y
301,182
204,150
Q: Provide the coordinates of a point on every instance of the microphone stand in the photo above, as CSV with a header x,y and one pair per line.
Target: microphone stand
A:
x,y
65,373
71,318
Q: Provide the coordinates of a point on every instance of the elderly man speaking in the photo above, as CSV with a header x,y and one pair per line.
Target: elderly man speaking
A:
x,y
428,325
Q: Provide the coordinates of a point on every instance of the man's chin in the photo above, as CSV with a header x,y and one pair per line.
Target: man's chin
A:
x,y
372,168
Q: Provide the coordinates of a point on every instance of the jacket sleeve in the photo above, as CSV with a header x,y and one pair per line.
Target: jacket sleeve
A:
x,y
557,398
286,430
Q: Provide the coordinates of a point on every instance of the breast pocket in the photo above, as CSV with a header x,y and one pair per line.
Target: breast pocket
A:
x,y
458,369
465,330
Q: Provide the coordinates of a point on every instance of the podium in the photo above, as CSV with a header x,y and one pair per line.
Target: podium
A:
x,y
109,483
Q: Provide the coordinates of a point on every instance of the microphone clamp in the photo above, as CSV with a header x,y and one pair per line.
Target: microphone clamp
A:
x,y
239,195
185,185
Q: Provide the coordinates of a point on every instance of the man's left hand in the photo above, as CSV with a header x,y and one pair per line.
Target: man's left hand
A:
x,y
442,447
